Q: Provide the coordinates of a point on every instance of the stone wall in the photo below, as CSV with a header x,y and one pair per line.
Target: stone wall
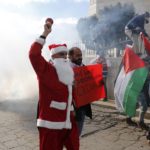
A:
x,y
112,74
140,5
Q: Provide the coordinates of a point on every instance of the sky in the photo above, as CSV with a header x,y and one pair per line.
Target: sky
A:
x,y
21,22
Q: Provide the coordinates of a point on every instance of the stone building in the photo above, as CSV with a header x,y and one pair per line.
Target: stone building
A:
x,y
140,5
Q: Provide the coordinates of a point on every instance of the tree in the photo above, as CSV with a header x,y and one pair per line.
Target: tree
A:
x,y
106,29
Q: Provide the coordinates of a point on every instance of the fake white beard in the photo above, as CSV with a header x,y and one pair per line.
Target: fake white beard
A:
x,y
64,71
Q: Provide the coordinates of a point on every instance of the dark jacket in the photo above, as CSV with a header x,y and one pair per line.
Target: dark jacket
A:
x,y
145,90
86,109
137,21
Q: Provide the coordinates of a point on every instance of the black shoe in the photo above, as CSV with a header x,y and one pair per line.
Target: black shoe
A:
x,y
143,126
130,122
105,100
148,137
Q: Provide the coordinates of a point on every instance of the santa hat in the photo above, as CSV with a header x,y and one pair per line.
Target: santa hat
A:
x,y
56,48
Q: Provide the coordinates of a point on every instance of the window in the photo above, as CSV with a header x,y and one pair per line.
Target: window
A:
x,y
92,2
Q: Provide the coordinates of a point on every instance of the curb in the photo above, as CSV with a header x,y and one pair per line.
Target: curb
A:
x,y
111,104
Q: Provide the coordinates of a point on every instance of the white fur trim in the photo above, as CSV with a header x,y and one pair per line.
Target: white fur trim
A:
x,y
53,125
58,49
40,41
58,105
72,108
69,102
59,125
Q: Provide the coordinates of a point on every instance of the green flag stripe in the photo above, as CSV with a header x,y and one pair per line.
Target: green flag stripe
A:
x,y
133,89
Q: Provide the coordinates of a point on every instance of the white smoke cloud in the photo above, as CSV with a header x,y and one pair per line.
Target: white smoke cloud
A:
x,y
17,32
20,3
78,1
66,21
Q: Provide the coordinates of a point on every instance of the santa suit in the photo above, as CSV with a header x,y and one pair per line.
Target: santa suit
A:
x,y
55,118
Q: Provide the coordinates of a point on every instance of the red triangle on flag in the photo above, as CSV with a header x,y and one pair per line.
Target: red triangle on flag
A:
x,y
131,61
146,44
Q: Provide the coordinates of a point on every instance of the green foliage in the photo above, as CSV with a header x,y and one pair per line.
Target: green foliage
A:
x,y
106,29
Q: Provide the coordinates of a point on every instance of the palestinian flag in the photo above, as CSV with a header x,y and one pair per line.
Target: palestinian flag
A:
x,y
129,82
146,44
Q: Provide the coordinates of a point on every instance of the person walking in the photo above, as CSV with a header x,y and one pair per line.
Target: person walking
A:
x,y
100,59
75,57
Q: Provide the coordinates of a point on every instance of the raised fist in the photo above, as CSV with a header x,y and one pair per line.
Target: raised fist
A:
x,y
49,22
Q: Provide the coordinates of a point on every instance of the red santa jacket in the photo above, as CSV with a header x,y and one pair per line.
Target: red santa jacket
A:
x,y
55,98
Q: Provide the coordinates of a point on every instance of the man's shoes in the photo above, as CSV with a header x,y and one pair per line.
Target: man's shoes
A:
x,y
130,122
105,100
143,126
148,137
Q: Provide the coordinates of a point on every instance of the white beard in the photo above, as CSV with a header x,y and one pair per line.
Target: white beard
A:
x,y
64,71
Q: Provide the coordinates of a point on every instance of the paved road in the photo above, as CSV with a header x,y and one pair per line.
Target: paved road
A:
x,y
105,132
113,133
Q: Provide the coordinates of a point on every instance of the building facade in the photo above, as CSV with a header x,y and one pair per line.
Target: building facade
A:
x,y
140,5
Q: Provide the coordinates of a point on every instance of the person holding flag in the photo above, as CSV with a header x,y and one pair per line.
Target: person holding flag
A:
x,y
133,29
100,59
129,85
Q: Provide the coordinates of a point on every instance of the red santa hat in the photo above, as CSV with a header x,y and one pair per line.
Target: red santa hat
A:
x,y
56,48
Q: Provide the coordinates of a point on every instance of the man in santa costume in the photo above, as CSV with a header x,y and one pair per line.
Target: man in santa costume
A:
x,y
55,119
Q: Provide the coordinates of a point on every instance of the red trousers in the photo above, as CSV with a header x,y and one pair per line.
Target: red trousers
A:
x,y
54,139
